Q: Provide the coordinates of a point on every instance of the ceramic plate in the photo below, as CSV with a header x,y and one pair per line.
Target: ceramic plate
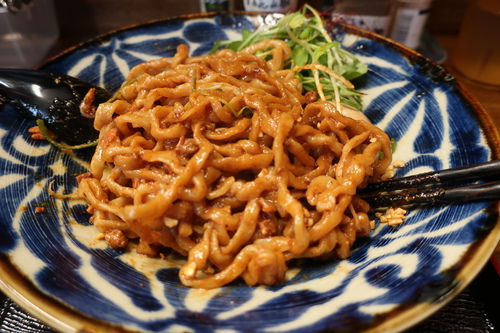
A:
x,y
53,266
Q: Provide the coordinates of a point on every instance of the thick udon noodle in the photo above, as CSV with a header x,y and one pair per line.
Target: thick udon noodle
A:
x,y
218,158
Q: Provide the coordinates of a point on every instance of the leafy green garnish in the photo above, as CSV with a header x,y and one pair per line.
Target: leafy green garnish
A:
x,y
310,44
45,132
117,94
394,144
246,112
393,149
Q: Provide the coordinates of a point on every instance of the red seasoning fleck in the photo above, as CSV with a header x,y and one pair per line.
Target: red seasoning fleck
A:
x,y
39,210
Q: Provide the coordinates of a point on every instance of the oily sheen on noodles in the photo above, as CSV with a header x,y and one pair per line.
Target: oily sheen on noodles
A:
x,y
220,159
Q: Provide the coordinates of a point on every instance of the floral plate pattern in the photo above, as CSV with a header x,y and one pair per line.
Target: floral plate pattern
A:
x,y
53,266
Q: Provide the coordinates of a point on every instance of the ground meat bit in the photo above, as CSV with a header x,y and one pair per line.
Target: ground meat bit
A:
x,y
36,133
209,270
267,228
39,210
116,239
87,109
186,147
393,216
311,96
109,137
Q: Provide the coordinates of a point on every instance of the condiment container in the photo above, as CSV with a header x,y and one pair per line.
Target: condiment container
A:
x,y
27,32
272,6
373,15
216,5
409,19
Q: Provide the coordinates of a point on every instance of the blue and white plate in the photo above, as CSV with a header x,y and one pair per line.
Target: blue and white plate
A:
x,y
53,266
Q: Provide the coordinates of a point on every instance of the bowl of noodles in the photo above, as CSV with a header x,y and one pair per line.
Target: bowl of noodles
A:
x,y
219,198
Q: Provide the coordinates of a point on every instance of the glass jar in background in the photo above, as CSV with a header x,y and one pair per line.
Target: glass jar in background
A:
x,y
476,54
215,5
27,32
275,6
373,15
409,20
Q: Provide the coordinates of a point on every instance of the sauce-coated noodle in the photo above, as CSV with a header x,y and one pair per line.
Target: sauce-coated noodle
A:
x,y
217,158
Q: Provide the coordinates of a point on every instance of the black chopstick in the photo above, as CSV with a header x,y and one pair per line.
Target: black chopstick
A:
x,y
444,186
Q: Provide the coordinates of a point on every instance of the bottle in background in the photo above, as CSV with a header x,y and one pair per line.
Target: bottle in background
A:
x,y
373,15
274,6
409,20
215,5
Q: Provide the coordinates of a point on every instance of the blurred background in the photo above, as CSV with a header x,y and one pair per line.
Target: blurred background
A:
x,y
56,25
83,19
